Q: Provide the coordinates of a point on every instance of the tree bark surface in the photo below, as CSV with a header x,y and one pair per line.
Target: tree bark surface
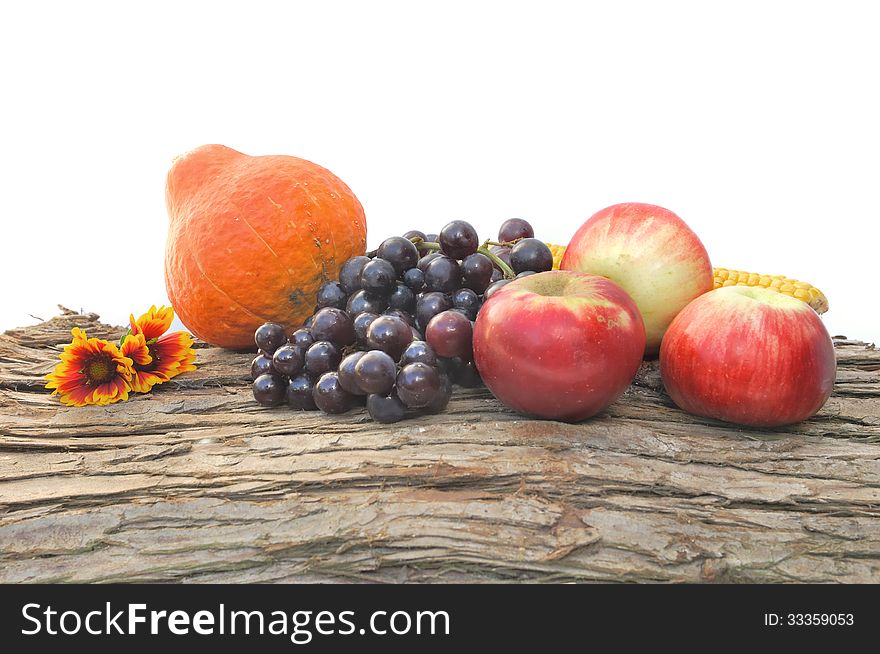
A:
x,y
194,482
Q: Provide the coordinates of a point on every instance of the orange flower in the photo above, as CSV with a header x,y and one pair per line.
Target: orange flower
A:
x,y
153,323
168,354
92,371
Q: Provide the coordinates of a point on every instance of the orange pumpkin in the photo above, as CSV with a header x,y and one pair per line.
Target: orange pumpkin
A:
x,y
251,239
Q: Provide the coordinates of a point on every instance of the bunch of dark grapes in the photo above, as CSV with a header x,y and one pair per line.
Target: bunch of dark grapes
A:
x,y
395,330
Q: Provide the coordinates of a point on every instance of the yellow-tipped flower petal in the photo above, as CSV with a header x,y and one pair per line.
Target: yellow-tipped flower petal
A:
x,y
92,371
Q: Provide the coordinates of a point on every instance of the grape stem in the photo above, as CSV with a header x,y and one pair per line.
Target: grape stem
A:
x,y
506,244
507,270
483,249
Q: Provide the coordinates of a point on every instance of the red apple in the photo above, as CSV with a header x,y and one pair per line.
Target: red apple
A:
x,y
559,344
750,356
651,253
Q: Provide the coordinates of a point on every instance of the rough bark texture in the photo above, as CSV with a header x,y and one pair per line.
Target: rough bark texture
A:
x,y
195,482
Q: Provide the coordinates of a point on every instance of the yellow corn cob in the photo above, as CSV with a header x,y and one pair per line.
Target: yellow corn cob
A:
x,y
726,277
801,290
558,251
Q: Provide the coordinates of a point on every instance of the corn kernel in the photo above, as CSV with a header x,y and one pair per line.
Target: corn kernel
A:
x,y
725,277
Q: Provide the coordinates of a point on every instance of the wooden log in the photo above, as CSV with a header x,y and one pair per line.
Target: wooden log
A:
x,y
194,482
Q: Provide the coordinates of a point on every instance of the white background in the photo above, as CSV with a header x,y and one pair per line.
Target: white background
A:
x,y
757,122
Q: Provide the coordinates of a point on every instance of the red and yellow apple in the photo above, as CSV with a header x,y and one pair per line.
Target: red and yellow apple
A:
x,y
651,253
751,356
561,344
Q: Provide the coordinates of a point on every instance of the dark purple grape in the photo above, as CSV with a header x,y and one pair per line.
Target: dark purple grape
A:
x,y
331,294
417,335
458,239
418,384
466,375
261,365
347,375
288,360
308,321
270,336
525,273
375,372
432,238
402,298
531,254
321,357
302,337
361,323
385,409
359,400
428,306
476,272
513,229
496,276
441,399
299,393
493,288
350,273
334,325
403,315
468,301
414,233
362,301
389,334
414,279
418,352
450,334
329,395
378,277
443,274
449,365
400,252
425,260
269,389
